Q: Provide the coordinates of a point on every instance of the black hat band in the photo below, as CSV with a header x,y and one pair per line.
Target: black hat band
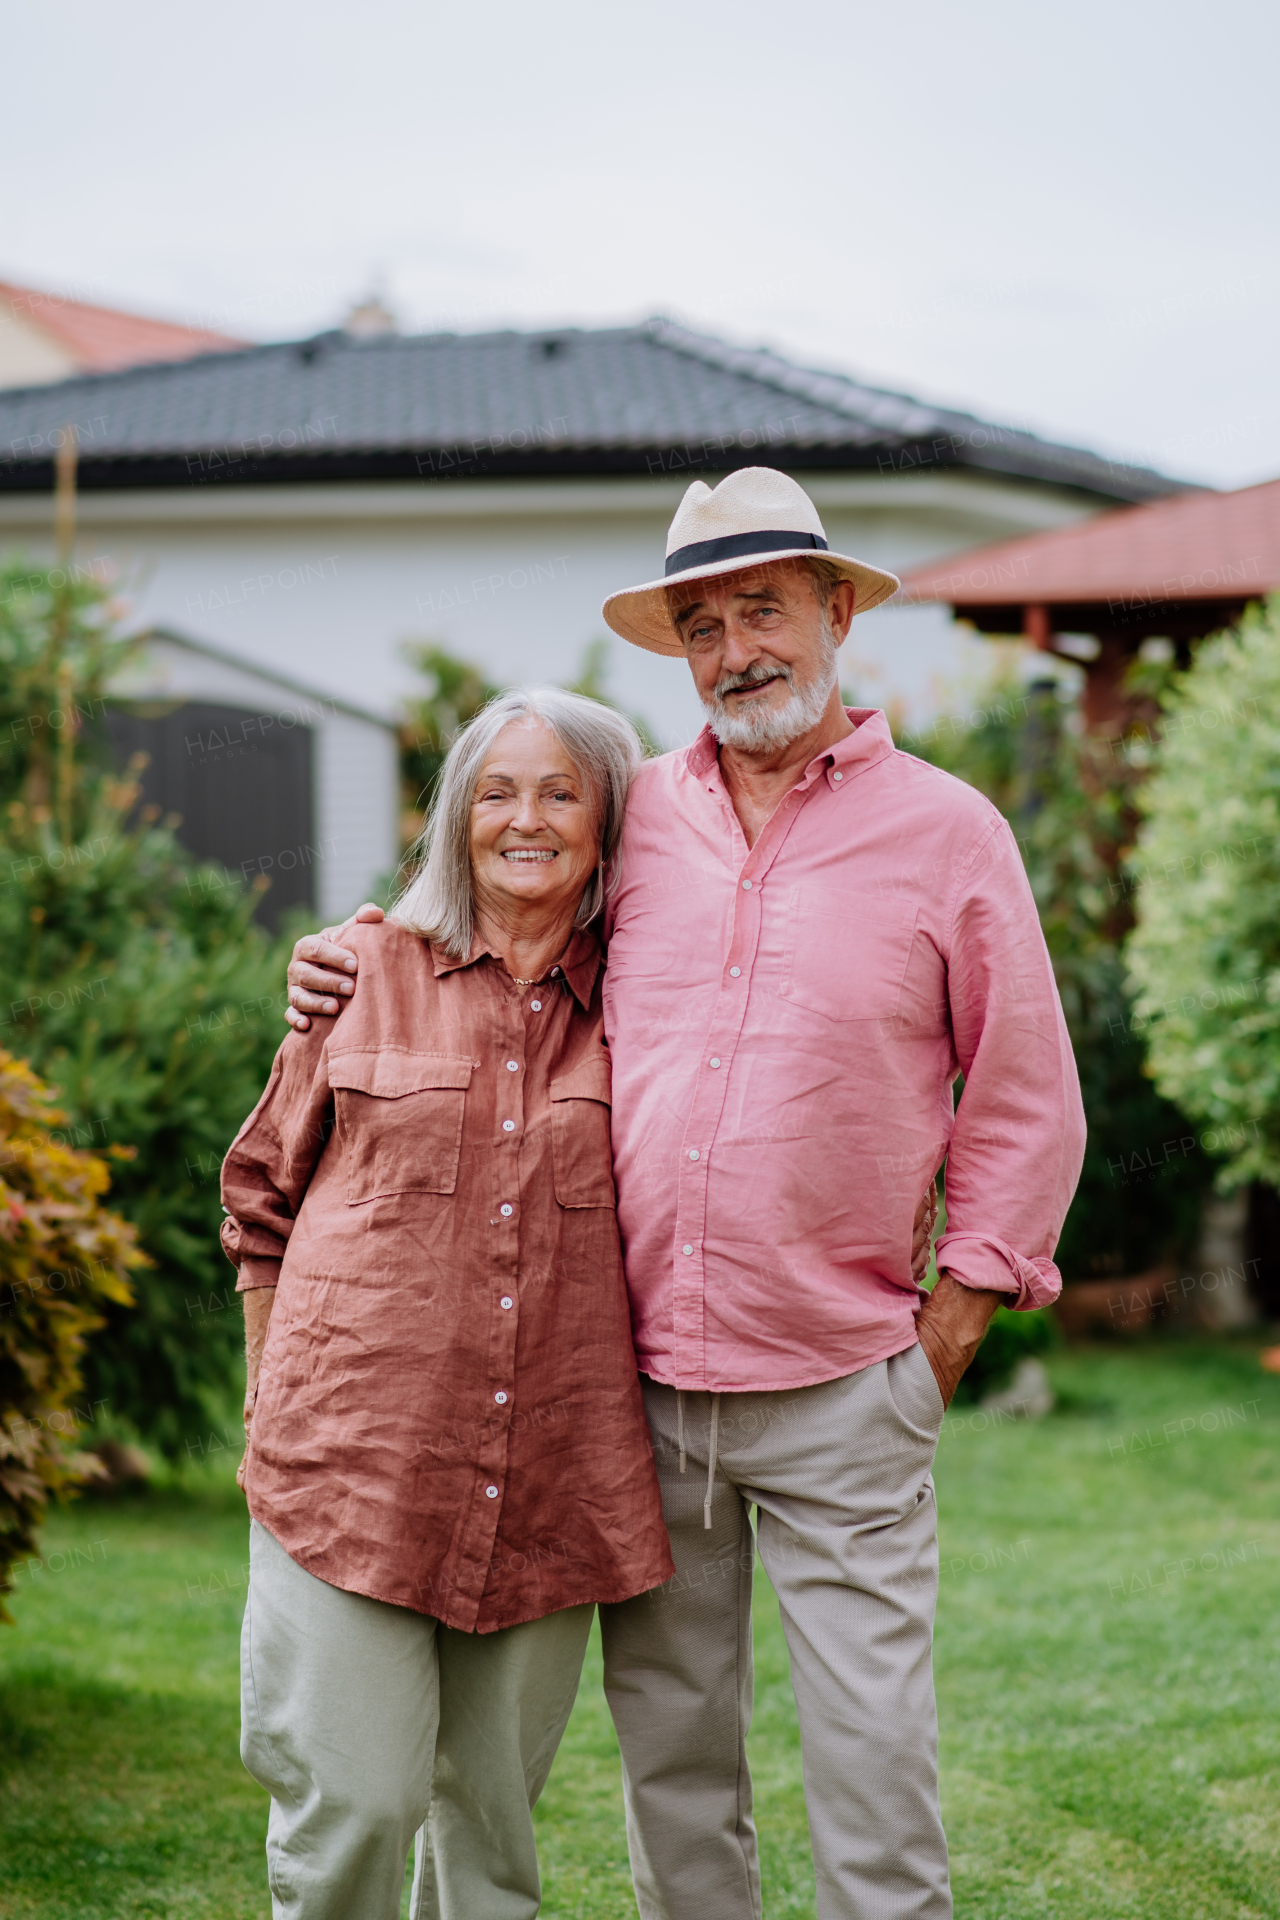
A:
x,y
705,553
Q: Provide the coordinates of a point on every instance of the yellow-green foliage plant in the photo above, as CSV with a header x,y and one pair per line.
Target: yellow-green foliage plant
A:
x,y
63,1256
1204,956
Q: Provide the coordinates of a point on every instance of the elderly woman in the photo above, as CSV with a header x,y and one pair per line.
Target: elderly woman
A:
x,y
448,1462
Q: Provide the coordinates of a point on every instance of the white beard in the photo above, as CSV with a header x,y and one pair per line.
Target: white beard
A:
x,y
768,729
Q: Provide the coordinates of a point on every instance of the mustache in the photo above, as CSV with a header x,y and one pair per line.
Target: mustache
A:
x,y
753,677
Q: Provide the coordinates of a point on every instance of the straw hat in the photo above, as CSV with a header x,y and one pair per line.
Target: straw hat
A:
x,y
755,515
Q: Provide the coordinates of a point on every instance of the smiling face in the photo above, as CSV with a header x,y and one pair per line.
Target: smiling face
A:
x,y
535,837
762,649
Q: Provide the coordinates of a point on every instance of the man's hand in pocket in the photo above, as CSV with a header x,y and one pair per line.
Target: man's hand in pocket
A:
x,y
950,1328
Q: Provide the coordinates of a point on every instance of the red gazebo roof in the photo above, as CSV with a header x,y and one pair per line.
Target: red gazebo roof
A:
x,y
1175,563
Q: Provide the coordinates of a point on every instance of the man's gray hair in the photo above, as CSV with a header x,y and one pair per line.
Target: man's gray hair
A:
x,y
826,577
439,902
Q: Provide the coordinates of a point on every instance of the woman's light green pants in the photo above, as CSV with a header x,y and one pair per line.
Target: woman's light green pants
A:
x,y
370,1724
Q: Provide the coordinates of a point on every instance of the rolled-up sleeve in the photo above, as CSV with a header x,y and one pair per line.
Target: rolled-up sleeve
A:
x,y
271,1160
1018,1140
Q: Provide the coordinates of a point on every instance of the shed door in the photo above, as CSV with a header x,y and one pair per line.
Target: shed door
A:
x,y
241,782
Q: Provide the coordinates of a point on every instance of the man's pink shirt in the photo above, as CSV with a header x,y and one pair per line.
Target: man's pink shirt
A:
x,y
786,1024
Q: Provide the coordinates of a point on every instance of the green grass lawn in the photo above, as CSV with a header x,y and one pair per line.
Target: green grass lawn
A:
x,y
1108,1657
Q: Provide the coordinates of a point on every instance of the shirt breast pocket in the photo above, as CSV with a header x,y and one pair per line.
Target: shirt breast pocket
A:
x,y
399,1121
581,1150
846,958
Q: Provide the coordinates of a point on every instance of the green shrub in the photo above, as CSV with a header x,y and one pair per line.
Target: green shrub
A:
x,y
140,989
64,1260
1204,956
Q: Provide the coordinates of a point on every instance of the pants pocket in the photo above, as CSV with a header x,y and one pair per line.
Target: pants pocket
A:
x,y
914,1390
256,1751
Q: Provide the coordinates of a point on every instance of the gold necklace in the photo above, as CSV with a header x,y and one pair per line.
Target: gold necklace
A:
x,y
524,983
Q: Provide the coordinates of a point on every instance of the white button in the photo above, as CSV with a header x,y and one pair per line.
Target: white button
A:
x,y
686,1249
536,1005
693,1153
513,1066
492,1492
508,1126
554,972
506,1301
837,776
715,1063
506,1212
746,886
501,1399
735,973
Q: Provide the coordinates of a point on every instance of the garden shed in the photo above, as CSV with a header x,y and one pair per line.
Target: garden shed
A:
x,y
276,781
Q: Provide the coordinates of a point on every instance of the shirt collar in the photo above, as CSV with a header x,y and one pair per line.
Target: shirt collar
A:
x,y
579,963
870,741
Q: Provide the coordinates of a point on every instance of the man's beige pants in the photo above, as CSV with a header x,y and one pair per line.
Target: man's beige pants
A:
x,y
847,1533
370,1724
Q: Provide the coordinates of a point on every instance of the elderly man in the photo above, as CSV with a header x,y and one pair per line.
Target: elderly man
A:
x,y
812,936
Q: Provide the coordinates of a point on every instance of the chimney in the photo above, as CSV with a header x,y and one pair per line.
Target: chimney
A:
x,y
370,319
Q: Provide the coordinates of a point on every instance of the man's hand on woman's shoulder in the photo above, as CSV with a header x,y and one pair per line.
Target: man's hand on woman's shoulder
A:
x,y
320,973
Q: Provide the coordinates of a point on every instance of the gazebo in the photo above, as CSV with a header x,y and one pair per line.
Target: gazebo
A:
x,y
1177,569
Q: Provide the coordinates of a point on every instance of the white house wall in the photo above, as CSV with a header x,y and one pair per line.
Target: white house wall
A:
x,y
357,779
324,584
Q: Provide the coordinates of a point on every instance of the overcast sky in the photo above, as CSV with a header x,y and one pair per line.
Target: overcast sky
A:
x,y
1059,216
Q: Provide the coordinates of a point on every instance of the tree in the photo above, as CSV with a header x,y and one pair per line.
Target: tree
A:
x,y
455,693
1204,956
63,1260
1070,802
592,681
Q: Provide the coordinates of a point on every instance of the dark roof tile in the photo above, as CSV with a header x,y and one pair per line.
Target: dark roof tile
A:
x,y
656,398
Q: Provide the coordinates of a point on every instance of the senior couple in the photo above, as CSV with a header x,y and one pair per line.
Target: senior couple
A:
x,y
553,1269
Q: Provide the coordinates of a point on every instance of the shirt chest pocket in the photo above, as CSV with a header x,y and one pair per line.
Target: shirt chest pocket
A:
x,y
399,1120
581,1150
846,958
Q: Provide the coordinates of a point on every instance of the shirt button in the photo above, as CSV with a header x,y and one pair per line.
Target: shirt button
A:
x,y
735,973
715,1063
506,1212
837,776
513,1066
746,886
506,1301
536,1005
554,972
492,1492
686,1249
693,1153
508,1126
501,1399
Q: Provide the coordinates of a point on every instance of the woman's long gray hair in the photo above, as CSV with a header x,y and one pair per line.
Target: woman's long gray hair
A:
x,y
438,901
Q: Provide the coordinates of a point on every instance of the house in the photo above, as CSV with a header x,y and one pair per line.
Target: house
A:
x,y
46,337
308,507
1172,571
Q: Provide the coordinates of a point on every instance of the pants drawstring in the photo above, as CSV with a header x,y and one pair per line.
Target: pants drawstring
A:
x,y
711,1460
680,1428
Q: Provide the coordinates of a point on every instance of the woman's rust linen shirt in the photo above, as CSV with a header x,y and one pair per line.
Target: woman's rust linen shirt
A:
x,y
448,1413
